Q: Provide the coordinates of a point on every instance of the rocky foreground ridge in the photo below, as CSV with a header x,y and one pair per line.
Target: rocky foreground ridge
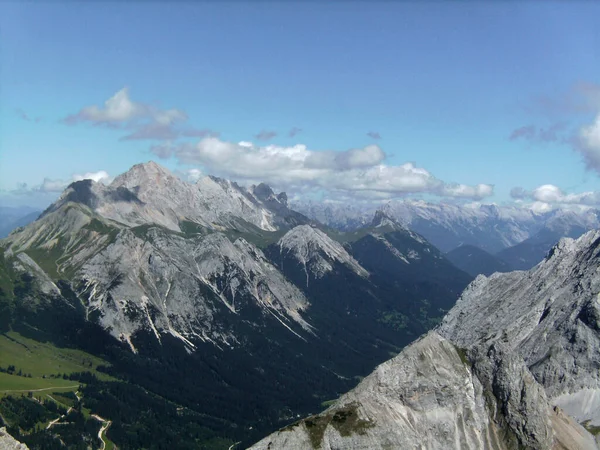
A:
x,y
515,364
7,442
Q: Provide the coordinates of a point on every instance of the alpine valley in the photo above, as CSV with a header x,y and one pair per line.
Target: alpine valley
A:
x,y
205,314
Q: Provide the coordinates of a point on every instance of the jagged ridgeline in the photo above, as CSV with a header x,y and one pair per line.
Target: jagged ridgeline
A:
x,y
514,365
220,301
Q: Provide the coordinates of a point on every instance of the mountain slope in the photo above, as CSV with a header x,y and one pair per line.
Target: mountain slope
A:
x,y
410,263
487,377
475,261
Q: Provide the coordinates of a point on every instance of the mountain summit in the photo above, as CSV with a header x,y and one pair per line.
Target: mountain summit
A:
x,y
150,194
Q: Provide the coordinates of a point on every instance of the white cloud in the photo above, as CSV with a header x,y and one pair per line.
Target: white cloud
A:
x,y
550,196
588,144
460,190
118,108
49,185
547,193
194,174
99,177
361,171
540,207
142,121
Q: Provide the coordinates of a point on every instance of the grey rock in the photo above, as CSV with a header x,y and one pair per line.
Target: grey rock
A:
x,y
7,442
166,283
150,194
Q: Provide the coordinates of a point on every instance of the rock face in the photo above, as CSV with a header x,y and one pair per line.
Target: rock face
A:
x,y
316,252
549,316
7,442
515,364
167,283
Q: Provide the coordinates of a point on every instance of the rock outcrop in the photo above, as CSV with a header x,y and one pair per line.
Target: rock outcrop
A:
x,y
7,442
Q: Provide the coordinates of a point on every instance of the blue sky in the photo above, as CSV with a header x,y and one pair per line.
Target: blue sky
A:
x,y
444,85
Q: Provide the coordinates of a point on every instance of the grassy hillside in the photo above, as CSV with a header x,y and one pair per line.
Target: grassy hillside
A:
x,y
44,359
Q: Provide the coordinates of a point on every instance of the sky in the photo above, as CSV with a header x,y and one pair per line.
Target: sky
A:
x,y
349,100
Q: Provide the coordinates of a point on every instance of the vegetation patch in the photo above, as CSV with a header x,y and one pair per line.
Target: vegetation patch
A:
x,y
43,360
462,354
192,228
141,231
345,420
316,426
45,424
394,319
328,403
11,384
593,429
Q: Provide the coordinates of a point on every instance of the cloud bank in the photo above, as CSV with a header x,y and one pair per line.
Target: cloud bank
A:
x,y
359,171
548,196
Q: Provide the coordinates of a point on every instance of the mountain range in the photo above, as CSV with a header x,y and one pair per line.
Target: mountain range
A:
x,y
517,237
219,298
234,315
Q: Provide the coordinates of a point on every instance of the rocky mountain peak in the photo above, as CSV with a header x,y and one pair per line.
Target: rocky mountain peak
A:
x,y
382,218
84,192
317,252
265,193
149,194
556,329
144,177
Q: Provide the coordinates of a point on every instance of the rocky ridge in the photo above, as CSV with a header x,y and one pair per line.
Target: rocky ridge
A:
x,y
7,442
316,252
148,193
513,365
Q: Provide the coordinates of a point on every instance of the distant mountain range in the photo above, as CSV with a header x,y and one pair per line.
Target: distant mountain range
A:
x,y
518,237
